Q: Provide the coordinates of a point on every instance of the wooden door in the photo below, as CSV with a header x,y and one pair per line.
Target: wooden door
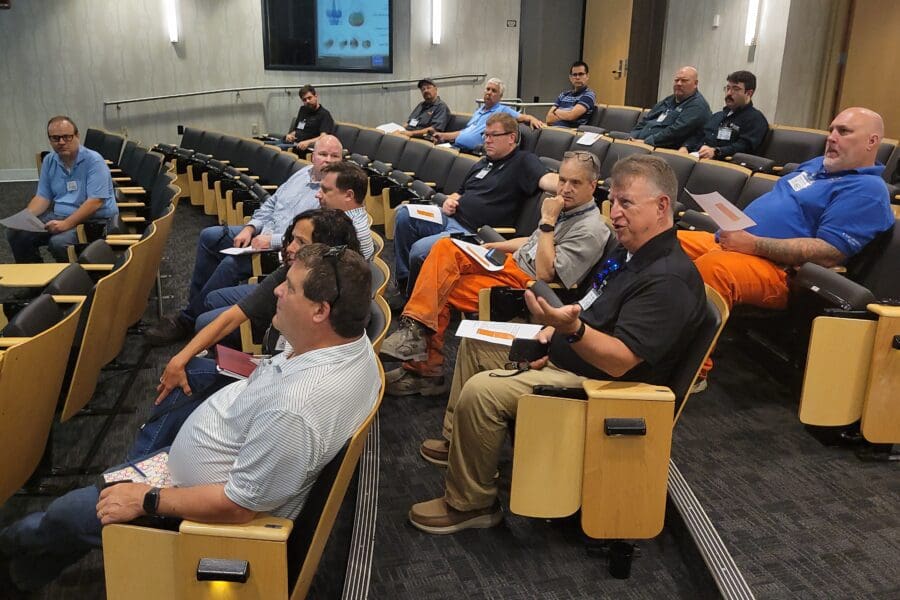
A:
x,y
607,26
871,74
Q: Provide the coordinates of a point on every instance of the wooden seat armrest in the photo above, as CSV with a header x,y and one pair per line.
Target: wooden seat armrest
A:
x,y
883,310
777,169
123,236
627,390
502,230
123,178
131,205
67,298
254,177
130,219
98,267
262,527
122,241
269,187
428,183
8,342
132,190
242,169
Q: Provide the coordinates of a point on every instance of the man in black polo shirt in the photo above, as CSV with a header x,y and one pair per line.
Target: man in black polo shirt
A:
x,y
431,114
636,318
739,127
492,194
313,120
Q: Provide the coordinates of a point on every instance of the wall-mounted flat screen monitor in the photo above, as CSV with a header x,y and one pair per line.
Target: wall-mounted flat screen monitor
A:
x,y
327,35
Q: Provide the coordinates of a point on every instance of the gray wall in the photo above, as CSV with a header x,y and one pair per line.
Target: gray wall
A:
x,y
68,57
551,41
787,97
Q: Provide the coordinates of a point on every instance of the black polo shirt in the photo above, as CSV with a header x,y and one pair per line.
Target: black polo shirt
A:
x,y
429,114
653,304
494,191
732,131
259,305
311,123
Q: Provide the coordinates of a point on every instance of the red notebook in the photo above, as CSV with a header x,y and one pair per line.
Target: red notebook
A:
x,y
234,363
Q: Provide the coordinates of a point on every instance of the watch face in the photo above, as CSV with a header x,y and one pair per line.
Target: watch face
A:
x,y
545,227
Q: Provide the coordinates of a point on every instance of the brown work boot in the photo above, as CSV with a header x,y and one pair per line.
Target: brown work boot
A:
x,y
435,451
401,382
438,517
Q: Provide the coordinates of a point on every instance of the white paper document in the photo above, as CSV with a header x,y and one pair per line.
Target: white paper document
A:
x,y
390,127
726,215
240,251
588,138
425,212
478,254
497,332
24,221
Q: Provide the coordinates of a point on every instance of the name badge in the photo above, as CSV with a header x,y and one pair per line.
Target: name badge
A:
x,y
301,125
532,253
800,182
662,117
589,299
413,122
71,186
483,173
724,133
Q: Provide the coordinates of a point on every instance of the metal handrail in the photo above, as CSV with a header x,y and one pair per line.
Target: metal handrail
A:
x,y
473,76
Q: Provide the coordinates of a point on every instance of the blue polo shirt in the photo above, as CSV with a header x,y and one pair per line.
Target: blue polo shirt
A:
x,y
470,136
569,98
67,190
847,209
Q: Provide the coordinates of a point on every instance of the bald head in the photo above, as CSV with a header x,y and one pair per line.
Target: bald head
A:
x,y
328,150
685,84
853,141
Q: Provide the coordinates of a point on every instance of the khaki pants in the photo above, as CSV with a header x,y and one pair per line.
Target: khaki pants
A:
x,y
478,413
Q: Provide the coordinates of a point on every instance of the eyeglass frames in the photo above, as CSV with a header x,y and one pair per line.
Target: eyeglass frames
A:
x,y
61,138
582,156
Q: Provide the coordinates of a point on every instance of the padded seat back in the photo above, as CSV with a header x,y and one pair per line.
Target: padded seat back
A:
x,y
530,214
93,139
885,150
755,187
682,164
528,137
553,142
390,149
414,155
599,148
436,167
878,264
793,144
73,281
228,148
367,142
132,159
458,121
191,138
97,252
262,160
40,314
283,167
620,149
151,165
620,118
713,176
111,148
462,164
597,116
346,133
244,153
209,142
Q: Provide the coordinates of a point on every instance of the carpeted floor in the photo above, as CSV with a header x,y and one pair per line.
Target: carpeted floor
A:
x,y
802,520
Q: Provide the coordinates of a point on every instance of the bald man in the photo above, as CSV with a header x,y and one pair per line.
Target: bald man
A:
x,y
677,117
824,212
214,270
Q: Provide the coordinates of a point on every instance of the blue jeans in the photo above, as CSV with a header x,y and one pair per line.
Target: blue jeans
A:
x,y
166,418
25,244
218,302
413,239
214,270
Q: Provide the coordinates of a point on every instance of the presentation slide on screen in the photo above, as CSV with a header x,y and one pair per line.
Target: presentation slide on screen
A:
x,y
354,30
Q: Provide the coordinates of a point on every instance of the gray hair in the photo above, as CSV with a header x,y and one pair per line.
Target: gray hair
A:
x,y
499,83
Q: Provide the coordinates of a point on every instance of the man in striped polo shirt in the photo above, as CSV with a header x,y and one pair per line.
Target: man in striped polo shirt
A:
x,y
574,107
254,446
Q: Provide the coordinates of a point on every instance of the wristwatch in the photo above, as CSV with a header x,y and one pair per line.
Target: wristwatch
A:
x,y
547,227
151,501
576,337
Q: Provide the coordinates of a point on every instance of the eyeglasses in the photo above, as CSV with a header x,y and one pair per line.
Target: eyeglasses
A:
x,y
485,136
582,156
333,256
577,74
61,138
734,88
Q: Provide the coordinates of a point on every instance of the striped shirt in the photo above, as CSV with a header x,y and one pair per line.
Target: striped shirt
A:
x,y
570,98
268,437
360,219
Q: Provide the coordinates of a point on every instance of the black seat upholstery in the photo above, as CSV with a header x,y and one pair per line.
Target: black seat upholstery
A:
x,y
619,118
367,142
436,168
389,150
553,142
711,176
597,116
458,121
111,148
528,137
191,138
97,252
754,188
789,144
457,175
39,315
283,167
347,134
617,151
73,280
93,139
599,148
681,164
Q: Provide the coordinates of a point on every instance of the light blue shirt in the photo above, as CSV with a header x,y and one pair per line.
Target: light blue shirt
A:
x,y
294,196
470,136
360,218
67,189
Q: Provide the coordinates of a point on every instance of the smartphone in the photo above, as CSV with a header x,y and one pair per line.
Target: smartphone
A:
x,y
528,350
496,257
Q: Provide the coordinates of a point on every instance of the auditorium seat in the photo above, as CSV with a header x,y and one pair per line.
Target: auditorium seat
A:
x,y
793,144
553,142
714,176
682,164
599,147
458,121
367,142
619,118
756,186
528,137
346,133
462,164
620,149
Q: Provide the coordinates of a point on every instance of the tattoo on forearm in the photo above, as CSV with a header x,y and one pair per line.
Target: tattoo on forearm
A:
x,y
795,252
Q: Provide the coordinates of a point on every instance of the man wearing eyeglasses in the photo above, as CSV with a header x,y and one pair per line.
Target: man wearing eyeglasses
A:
x,y
633,322
75,187
574,107
255,446
492,194
739,127
570,237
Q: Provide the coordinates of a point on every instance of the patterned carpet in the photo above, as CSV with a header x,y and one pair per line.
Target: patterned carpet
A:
x,y
802,520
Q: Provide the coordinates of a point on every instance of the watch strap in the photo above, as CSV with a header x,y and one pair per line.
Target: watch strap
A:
x,y
151,501
579,333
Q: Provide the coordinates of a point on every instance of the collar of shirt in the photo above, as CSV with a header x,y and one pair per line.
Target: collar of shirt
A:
x,y
287,365
816,169
730,112
490,164
654,248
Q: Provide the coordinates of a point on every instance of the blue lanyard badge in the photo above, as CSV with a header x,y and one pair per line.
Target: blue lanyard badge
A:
x,y
598,283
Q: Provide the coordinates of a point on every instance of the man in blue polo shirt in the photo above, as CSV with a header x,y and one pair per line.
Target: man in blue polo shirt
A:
x,y
574,107
75,186
469,137
824,212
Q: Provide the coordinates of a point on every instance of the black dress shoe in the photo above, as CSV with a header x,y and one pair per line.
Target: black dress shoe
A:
x,y
169,329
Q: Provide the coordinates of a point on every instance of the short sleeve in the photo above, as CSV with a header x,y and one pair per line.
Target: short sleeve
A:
x,y
98,180
44,190
862,212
